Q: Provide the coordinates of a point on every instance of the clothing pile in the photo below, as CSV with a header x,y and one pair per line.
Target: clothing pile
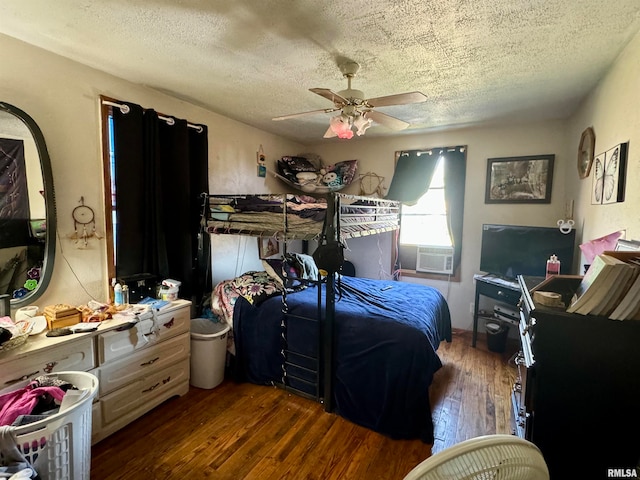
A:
x,y
8,330
39,399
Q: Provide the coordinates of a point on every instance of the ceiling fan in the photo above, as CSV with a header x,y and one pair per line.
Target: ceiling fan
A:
x,y
355,109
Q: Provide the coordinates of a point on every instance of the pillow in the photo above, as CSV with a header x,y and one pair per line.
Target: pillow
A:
x,y
273,267
345,171
256,287
304,264
298,164
290,166
284,273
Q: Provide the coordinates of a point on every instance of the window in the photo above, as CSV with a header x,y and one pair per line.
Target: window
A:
x,y
154,202
112,181
425,223
430,185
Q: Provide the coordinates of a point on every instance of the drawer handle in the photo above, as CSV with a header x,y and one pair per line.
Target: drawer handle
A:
x,y
169,324
50,366
166,380
151,388
22,378
150,362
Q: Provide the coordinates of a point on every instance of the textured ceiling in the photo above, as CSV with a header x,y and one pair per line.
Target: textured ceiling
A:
x,y
477,61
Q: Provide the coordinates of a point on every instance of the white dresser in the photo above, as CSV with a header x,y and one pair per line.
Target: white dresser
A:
x,y
138,364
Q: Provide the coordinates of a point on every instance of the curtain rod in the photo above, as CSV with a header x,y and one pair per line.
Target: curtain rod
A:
x,y
449,149
124,108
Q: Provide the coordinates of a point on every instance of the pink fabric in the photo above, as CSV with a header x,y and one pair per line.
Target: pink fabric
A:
x,y
22,401
595,247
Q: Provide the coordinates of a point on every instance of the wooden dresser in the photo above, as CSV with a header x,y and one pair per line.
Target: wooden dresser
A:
x,y
138,364
577,392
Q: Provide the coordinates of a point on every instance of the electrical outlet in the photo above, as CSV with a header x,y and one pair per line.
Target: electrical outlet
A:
x,y
471,307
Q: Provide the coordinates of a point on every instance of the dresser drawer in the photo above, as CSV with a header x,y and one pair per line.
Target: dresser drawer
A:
x,y
144,362
172,323
77,355
142,392
116,344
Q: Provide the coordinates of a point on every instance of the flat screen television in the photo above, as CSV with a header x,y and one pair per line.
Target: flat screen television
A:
x,y
512,250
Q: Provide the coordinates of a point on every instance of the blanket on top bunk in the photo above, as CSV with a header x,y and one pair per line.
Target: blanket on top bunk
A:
x,y
386,337
265,214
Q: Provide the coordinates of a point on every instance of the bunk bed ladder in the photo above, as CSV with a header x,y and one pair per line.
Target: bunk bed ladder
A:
x,y
293,361
323,372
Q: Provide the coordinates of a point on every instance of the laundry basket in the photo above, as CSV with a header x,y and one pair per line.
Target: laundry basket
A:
x,y
59,447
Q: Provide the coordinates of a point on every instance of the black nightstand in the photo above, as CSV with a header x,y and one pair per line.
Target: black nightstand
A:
x,y
506,291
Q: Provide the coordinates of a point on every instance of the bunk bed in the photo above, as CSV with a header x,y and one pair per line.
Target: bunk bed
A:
x,y
300,217
365,348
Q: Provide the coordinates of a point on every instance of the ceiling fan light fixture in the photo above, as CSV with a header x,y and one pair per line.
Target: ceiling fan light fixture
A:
x,y
341,126
356,110
362,123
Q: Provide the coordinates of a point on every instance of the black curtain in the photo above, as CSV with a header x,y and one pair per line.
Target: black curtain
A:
x,y
200,239
161,172
455,172
412,177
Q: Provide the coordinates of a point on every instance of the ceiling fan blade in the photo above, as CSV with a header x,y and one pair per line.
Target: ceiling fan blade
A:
x,y
387,120
399,99
329,95
312,112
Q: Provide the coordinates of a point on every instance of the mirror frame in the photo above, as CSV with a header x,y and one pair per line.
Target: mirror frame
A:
x,y
50,206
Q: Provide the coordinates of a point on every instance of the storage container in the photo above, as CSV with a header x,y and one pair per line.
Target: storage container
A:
x,y
59,447
169,293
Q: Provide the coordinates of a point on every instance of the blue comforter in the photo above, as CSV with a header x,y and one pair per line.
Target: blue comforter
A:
x,y
386,337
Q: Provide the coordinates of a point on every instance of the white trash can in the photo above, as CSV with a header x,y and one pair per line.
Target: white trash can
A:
x,y
208,352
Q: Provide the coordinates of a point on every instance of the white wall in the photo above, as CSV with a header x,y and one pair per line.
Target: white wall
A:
x,y
613,110
63,98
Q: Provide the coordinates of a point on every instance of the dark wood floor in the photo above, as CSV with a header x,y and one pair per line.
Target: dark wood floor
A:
x,y
244,431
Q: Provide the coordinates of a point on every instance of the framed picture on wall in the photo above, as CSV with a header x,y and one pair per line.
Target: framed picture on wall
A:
x,y
609,177
519,179
268,247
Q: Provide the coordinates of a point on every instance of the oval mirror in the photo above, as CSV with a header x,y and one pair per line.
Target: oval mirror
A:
x,y
27,208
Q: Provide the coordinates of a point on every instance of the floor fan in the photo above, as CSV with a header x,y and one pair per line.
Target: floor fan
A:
x,y
488,457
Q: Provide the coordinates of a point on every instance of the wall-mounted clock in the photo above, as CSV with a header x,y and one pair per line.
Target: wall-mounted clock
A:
x,y
585,152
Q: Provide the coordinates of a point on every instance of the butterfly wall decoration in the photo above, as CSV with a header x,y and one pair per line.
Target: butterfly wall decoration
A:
x,y
609,176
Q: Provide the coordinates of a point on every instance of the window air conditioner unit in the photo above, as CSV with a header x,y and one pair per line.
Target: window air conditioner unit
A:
x,y
434,259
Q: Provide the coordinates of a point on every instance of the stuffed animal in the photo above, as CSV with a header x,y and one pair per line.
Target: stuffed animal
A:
x,y
331,179
307,181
